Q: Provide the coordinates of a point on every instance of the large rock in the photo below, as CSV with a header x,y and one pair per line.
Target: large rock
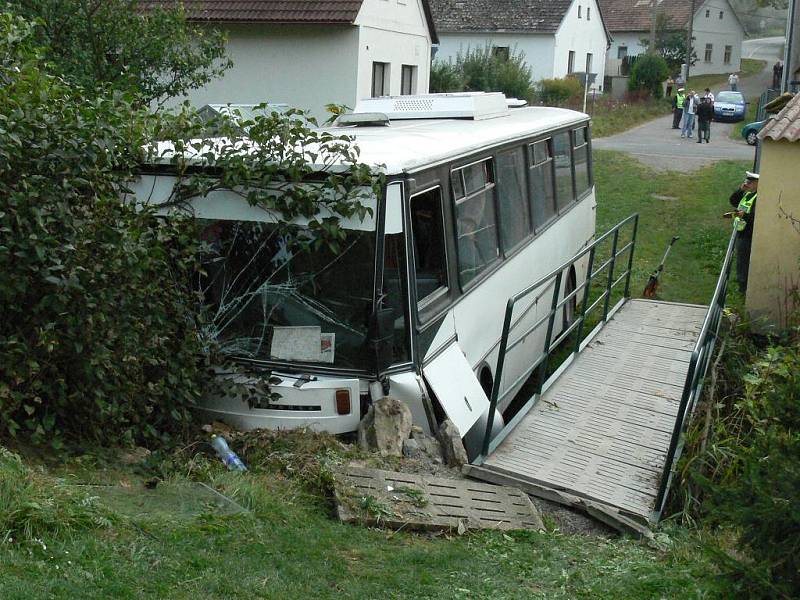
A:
x,y
385,426
452,447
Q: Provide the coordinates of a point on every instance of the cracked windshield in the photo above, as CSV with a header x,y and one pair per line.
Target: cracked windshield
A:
x,y
273,297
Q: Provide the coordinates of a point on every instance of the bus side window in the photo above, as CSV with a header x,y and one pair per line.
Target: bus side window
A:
x,y
542,198
476,220
565,194
583,179
427,229
512,200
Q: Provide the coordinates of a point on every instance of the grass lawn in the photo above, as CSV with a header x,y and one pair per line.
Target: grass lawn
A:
x,y
610,117
670,203
750,66
59,540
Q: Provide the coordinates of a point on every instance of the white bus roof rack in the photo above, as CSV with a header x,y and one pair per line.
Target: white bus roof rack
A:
x,y
462,105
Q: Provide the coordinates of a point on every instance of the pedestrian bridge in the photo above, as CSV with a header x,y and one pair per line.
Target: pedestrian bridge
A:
x,y
604,431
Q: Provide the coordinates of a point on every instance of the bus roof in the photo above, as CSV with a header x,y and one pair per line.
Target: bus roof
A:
x,y
409,145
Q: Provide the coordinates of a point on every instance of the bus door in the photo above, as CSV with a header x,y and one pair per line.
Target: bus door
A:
x,y
444,366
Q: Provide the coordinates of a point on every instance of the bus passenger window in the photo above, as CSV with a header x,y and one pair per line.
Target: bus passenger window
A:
x,y
565,194
427,229
476,221
542,198
583,179
512,201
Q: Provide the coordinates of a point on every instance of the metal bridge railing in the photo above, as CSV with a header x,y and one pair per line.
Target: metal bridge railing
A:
x,y
555,278
698,365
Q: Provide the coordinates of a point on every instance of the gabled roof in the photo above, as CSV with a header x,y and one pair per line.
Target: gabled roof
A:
x,y
635,15
325,12
530,16
786,124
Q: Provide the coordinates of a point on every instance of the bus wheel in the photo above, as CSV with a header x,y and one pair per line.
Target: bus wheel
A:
x,y
570,307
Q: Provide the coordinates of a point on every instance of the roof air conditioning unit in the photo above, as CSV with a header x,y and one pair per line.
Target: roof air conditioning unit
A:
x,y
461,105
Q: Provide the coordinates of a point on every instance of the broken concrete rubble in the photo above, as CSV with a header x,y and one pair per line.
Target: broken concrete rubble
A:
x,y
384,428
452,447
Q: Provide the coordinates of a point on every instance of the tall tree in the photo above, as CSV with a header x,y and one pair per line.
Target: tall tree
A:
x,y
150,52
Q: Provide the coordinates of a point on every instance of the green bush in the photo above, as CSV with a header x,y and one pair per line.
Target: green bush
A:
x,y
97,337
480,69
445,77
648,73
558,92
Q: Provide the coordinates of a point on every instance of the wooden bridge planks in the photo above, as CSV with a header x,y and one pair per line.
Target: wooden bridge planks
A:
x,y
602,430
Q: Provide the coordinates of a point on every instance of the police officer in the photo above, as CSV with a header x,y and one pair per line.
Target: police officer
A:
x,y
677,108
744,201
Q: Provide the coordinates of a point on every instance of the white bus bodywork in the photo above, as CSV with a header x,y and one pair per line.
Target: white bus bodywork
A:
x,y
453,335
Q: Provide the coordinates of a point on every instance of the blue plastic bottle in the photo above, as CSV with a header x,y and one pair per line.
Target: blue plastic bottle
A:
x,y
228,456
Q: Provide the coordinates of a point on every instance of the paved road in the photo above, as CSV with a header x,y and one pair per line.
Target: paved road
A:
x,y
769,49
656,144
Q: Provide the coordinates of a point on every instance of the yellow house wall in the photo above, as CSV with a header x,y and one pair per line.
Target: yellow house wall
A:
x,y
775,255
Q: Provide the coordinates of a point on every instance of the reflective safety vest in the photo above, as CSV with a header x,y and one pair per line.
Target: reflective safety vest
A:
x,y
680,99
746,206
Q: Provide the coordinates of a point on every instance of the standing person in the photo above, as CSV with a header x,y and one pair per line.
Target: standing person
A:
x,y
733,81
744,201
677,108
679,80
709,95
670,84
777,75
689,110
705,113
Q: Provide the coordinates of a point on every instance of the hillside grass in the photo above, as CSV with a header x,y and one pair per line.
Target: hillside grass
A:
x,y
60,539
610,117
750,66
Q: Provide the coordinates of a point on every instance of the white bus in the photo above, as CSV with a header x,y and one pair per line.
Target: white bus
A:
x,y
480,201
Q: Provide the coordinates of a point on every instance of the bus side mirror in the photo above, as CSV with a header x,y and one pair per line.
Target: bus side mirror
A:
x,y
381,334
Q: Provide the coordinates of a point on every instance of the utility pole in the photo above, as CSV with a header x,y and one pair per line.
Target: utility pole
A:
x,y
689,44
653,18
789,64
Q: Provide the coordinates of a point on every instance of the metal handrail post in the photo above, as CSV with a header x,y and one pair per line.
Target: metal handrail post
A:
x,y
610,274
542,369
498,376
630,257
586,292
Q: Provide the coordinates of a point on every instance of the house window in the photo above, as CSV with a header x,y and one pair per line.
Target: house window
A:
x,y
579,11
708,13
589,62
380,79
501,52
709,49
408,80
622,52
588,14
728,50
571,62
720,14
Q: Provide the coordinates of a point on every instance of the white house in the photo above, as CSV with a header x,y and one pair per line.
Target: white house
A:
x,y
309,53
558,37
716,31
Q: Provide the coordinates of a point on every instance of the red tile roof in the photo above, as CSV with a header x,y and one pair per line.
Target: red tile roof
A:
x,y
786,124
266,11
635,15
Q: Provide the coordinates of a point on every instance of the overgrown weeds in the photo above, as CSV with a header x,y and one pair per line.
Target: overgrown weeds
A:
x,y
741,467
34,506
